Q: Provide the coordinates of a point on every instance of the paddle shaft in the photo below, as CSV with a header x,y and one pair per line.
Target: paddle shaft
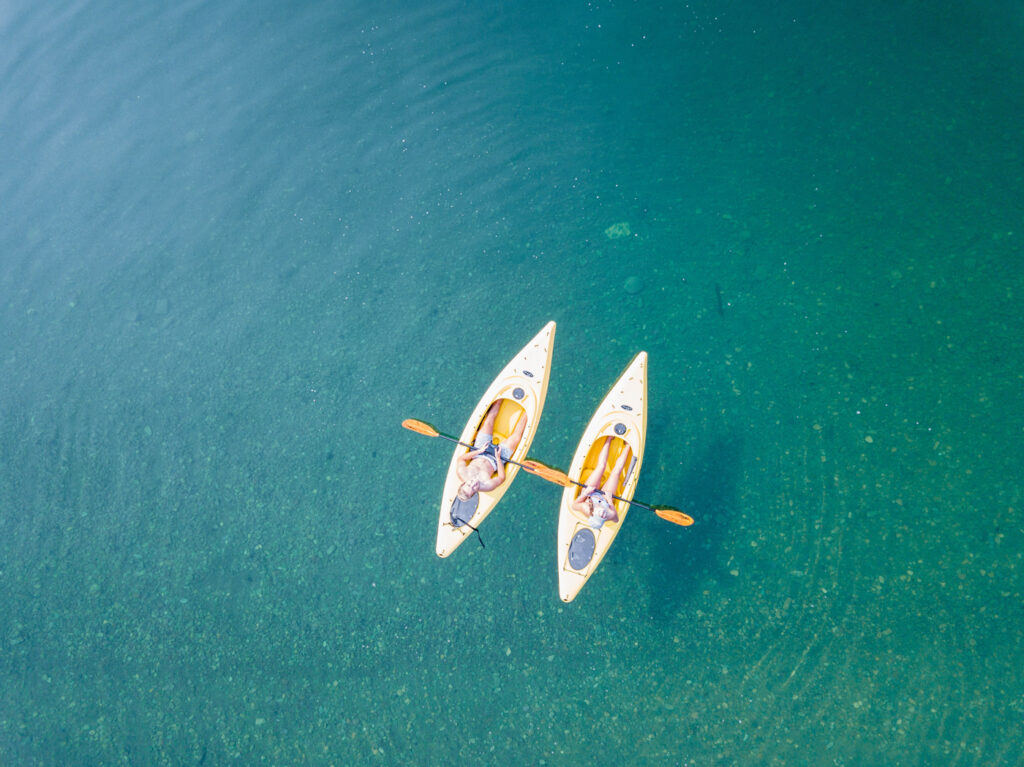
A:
x,y
563,479
672,515
616,497
471,447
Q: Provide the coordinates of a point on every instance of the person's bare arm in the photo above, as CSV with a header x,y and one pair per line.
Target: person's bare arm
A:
x,y
580,503
463,464
469,455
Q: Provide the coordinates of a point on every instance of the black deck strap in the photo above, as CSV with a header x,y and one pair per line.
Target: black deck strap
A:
x,y
478,536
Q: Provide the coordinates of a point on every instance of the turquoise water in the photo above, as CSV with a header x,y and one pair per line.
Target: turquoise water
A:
x,y
242,241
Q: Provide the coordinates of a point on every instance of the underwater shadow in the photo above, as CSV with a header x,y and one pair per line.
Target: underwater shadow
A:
x,y
680,564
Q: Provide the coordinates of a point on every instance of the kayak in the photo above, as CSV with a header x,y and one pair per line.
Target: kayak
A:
x,y
623,416
521,388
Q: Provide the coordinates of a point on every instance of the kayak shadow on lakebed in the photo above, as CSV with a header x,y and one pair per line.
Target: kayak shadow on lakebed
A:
x,y
682,560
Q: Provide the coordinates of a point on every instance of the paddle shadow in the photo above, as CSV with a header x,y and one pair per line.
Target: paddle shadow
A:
x,y
682,563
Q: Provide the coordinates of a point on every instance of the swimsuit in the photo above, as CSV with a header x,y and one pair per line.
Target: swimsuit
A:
x,y
603,510
491,451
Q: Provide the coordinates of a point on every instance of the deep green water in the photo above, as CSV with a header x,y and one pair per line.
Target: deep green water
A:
x,y
241,241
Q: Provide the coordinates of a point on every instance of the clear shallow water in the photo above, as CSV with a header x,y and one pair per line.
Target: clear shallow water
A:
x,y
241,244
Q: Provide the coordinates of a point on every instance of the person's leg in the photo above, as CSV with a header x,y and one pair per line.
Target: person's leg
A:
x,y
611,485
485,434
487,427
514,438
602,464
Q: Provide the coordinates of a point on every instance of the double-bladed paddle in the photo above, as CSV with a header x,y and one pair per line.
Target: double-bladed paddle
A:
x,y
553,475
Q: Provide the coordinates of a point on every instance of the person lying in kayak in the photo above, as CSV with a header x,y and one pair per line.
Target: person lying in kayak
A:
x,y
483,468
596,503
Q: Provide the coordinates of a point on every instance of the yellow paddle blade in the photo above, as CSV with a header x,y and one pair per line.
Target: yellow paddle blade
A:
x,y
419,427
676,517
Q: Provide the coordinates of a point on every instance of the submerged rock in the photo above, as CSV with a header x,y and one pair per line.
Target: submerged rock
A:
x,y
616,231
633,285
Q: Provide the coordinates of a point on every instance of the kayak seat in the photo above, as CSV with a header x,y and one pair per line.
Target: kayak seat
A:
x,y
508,418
